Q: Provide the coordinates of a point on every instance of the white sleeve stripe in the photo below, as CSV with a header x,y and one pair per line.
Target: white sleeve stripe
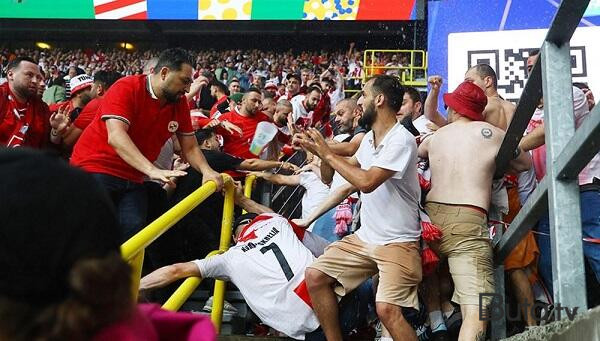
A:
x,y
117,117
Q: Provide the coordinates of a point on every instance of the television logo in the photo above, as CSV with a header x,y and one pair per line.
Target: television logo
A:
x,y
496,310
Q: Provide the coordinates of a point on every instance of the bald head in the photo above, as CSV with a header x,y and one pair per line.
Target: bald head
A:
x,y
346,115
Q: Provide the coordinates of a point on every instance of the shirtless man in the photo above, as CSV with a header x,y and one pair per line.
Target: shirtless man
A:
x,y
498,112
462,159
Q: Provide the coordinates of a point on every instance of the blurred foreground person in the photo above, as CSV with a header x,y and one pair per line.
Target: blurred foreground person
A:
x,y
61,274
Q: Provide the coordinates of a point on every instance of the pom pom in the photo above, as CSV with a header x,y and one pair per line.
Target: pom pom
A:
x,y
430,232
429,261
341,228
424,183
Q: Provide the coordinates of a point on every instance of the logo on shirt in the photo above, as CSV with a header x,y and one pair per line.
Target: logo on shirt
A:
x,y
172,127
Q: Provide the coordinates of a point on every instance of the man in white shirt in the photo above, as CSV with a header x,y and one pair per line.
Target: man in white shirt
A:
x,y
412,105
304,105
384,169
267,265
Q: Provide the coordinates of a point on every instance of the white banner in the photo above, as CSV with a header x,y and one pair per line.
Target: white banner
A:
x,y
507,51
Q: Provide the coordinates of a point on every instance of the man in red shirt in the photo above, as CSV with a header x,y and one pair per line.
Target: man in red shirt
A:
x,y
23,115
219,91
137,116
102,82
247,118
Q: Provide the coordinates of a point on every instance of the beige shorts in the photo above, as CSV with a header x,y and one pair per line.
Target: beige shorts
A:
x,y
351,261
466,243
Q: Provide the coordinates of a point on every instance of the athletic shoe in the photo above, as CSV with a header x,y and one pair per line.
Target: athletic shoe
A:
x,y
228,308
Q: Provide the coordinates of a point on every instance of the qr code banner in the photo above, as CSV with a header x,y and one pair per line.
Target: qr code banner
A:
x,y
507,51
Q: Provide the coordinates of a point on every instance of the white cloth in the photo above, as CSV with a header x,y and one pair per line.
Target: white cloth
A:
x,y
390,213
316,192
267,267
335,97
421,124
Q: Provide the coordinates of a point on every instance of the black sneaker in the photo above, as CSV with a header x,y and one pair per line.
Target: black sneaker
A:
x,y
440,335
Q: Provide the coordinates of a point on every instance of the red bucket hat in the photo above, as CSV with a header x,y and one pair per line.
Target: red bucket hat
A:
x,y
467,100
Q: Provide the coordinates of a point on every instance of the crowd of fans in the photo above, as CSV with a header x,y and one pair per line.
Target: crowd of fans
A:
x,y
403,195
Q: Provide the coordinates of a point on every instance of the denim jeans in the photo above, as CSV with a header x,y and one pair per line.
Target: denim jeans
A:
x,y
325,226
130,200
590,225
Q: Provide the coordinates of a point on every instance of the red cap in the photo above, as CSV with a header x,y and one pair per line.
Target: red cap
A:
x,y
467,100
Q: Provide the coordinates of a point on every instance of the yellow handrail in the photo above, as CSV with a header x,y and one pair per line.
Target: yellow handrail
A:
x,y
248,184
407,74
133,249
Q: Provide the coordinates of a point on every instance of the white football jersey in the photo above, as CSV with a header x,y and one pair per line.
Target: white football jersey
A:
x,y
267,265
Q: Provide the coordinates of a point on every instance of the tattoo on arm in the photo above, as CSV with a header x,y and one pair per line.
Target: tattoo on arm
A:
x,y
486,133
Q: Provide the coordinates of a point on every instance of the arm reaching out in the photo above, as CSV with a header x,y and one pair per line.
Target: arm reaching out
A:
x,y
333,200
169,274
431,103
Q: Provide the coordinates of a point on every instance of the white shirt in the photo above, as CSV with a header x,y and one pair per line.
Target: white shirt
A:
x,y
316,193
421,124
390,213
335,97
267,265
298,109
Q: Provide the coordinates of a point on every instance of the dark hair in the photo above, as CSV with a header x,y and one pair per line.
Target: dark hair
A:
x,y
107,78
58,81
242,218
222,87
173,59
484,70
17,61
314,88
413,93
253,89
534,52
204,134
581,86
391,89
329,81
100,295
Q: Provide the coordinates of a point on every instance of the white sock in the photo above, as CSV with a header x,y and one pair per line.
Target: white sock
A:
x,y
437,321
385,338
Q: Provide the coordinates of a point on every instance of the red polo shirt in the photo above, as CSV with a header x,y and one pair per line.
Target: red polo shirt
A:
x,y
88,113
235,144
130,100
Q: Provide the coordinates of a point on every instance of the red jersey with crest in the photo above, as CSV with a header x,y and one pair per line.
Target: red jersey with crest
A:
x,y
235,144
130,100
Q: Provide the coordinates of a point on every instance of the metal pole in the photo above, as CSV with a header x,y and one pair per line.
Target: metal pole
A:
x,y
499,325
563,194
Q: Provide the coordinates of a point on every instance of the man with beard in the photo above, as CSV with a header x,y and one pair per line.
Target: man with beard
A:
x,y
412,106
23,115
247,118
347,114
82,93
304,106
384,169
139,113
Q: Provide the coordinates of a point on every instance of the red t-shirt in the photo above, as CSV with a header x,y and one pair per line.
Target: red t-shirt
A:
x,y
150,125
23,124
88,113
214,108
235,144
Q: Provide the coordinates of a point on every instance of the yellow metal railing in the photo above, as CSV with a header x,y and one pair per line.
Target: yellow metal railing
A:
x,y
133,249
407,73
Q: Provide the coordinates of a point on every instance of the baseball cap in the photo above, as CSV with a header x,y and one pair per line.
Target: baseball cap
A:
x,y
270,85
237,97
80,82
468,100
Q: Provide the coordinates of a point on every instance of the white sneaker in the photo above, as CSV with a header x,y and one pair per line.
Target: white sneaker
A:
x,y
228,308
